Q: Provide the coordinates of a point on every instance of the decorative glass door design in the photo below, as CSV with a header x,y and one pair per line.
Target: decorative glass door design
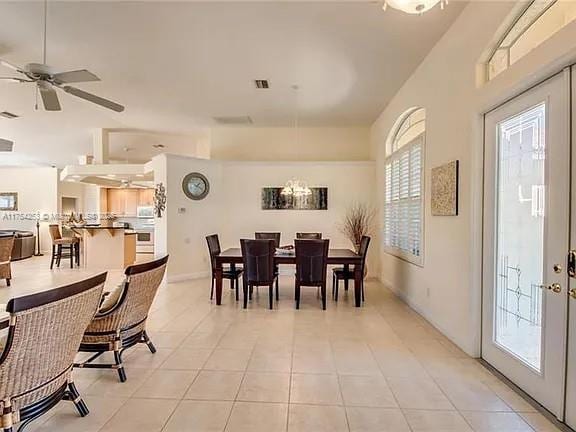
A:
x,y
526,221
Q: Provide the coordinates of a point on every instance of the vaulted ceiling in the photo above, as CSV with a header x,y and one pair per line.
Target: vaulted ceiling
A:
x,y
176,66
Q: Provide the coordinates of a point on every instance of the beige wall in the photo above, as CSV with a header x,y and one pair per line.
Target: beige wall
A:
x,y
279,144
37,190
232,208
447,289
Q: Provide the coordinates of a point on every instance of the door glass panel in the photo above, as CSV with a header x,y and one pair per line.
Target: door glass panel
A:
x,y
520,230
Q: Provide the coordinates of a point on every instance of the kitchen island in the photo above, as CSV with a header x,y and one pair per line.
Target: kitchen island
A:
x,y
107,248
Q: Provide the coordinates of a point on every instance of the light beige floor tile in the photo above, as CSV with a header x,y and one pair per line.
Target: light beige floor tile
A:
x,y
257,417
538,422
376,420
320,361
418,393
270,361
317,418
187,359
215,385
398,362
510,397
469,395
496,422
141,415
166,384
199,416
109,384
228,359
436,421
366,391
315,389
141,357
67,419
207,340
265,387
167,339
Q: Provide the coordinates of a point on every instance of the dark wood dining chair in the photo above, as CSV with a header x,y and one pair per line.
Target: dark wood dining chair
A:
x,y
259,269
309,235
269,236
311,266
345,274
232,273
276,237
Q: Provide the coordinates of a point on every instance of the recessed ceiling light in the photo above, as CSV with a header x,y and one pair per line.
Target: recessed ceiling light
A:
x,y
8,115
139,175
158,146
111,175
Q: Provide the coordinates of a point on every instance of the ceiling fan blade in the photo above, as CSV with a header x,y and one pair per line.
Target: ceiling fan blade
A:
x,y
93,98
11,66
76,76
14,79
49,97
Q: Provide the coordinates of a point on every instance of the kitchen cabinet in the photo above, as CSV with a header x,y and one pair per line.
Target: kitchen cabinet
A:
x,y
124,202
145,197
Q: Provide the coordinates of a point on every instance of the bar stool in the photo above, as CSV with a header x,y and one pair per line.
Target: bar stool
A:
x,y
63,247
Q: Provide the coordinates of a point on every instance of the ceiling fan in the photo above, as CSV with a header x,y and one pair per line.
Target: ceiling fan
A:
x,y
47,80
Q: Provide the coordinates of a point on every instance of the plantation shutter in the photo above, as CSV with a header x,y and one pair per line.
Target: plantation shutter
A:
x,y
403,198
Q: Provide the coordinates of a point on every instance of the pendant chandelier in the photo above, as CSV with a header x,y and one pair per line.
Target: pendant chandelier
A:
x,y
414,6
295,187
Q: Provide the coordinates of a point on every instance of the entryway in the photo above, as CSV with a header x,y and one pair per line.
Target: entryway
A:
x,y
529,215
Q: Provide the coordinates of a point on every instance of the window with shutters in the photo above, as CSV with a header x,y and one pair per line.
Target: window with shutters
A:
x,y
403,205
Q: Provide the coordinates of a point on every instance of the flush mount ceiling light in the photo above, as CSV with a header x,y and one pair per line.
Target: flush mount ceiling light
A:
x,y
415,7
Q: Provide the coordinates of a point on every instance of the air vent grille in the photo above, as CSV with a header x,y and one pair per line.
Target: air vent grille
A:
x,y
6,145
262,84
8,115
239,120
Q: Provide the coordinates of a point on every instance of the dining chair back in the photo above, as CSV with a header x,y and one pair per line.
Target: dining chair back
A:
x,y
269,236
121,320
6,246
258,265
213,249
309,235
311,266
44,334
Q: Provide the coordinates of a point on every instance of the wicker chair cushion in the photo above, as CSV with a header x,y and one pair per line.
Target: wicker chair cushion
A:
x,y
111,299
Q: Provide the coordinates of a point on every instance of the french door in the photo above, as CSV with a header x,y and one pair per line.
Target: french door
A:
x,y
571,363
526,241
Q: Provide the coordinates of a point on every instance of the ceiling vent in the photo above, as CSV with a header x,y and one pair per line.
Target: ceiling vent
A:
x,y
262,84
8,115
6,145
239,120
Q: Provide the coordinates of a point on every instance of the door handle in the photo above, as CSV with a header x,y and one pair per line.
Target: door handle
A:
x,y
572,293
555,287
572,263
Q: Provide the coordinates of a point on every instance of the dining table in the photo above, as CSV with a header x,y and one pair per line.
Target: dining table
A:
x,y
343,257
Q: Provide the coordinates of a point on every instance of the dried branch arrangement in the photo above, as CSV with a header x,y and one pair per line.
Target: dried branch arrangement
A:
x,y
358,222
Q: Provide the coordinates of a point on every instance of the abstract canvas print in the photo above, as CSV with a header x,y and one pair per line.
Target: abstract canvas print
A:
x,y
272,199
445,189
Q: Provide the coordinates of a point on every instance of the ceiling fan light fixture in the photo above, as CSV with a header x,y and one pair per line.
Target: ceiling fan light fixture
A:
x,y
414,7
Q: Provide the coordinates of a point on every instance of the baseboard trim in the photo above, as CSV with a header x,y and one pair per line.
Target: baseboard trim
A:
x,y
426,316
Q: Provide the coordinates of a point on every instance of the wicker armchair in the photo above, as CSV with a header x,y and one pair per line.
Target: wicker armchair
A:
x,y
44,333
6,245
121,321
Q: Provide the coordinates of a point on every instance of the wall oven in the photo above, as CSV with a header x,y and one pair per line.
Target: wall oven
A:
x,y
145,241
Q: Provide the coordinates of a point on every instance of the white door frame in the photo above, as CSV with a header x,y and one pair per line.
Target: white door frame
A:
x,y
550,395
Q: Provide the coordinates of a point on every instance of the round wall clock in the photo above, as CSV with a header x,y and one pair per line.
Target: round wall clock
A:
x,y
195,186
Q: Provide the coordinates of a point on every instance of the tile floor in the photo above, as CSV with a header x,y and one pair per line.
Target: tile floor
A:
x,y
220,368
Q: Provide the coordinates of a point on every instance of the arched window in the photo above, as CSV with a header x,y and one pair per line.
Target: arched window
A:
x,y
403,204
539,20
